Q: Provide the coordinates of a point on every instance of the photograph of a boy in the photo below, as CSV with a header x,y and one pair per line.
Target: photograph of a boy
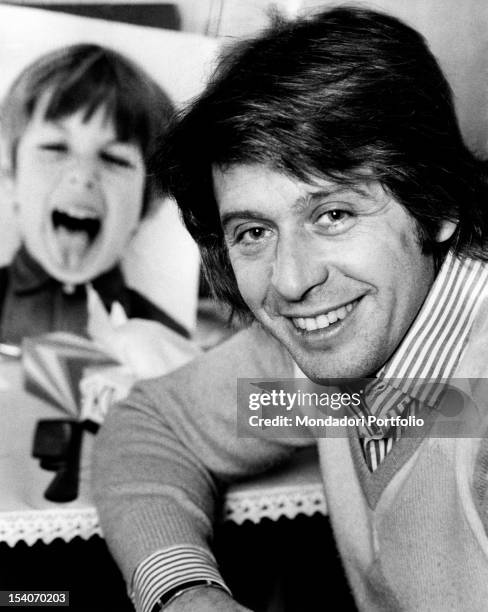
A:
x,y
78,128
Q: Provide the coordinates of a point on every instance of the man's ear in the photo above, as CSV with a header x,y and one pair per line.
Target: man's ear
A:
x,y
446,230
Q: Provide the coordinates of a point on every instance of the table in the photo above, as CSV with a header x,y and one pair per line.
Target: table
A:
x,y
292,490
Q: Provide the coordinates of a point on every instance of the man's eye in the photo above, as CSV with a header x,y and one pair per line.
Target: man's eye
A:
x,y
335,215
115,160
334,219
251,235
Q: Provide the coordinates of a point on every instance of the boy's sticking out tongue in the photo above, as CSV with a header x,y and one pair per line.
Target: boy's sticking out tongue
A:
x,y
72,247
74,237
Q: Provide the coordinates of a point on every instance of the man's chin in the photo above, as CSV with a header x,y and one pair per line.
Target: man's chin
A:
x,y
344,356
330,364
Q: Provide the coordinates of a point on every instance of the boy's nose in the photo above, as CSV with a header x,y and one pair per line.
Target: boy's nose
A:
x,y
83,175
87,182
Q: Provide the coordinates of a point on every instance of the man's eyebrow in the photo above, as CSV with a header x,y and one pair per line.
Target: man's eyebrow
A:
x,y
322,194
232,215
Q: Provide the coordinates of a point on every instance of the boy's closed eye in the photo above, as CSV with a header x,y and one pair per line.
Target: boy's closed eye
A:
x,y
116,159
119,154
123,158
56,147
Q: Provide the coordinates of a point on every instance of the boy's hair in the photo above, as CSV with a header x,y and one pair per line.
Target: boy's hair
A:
x,y
329,96
88,77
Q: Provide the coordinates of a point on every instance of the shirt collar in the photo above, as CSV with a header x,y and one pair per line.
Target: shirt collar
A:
x,y
433,346
28,276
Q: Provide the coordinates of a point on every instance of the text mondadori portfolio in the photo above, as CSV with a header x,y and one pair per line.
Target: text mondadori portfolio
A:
x,y
330,421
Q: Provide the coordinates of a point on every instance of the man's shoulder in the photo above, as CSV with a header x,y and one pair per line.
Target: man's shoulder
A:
x,y
250,353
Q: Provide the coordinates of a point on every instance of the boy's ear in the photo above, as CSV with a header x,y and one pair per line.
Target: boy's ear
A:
x,y
446,230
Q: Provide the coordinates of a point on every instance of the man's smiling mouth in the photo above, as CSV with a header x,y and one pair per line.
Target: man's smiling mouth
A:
x,y
75,232
324,320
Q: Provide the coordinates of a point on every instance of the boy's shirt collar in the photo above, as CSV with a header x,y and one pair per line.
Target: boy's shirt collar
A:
x,y
26,274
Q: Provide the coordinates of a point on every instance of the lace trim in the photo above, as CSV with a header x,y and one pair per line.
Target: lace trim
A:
x,y
281,502
31,526
47,525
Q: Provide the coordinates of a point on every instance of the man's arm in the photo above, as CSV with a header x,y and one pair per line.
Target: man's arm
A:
x,y
163,454
205,600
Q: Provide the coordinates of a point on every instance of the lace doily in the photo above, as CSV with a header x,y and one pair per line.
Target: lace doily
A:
x,y
274,504
31,526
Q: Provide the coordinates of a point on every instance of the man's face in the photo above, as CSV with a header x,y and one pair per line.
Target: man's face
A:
x,y
78,192
336,274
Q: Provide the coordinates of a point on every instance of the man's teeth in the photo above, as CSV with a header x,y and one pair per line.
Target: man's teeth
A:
x,y
323,320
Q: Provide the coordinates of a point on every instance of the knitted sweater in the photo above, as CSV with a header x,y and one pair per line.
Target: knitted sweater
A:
x,y
411,535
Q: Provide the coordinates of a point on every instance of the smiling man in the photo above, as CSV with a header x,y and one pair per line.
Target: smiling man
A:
x,y
337,274
324,176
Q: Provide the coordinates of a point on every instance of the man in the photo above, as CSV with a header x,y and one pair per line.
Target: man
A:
x,y
325,179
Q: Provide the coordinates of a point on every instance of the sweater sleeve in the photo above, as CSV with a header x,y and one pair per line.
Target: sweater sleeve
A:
x,y
163,456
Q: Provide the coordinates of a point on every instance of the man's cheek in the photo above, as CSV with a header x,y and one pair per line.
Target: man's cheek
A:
x,y
251,288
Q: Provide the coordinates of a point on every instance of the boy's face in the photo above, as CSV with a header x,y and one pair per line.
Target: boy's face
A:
x,y
78,192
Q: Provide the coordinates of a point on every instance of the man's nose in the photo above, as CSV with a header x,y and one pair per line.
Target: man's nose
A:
x,y
83,173
297,268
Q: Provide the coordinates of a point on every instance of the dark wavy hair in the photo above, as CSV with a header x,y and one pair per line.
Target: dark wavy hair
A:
x,y
327,96
88,77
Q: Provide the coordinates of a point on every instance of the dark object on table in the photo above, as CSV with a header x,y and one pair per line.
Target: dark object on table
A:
x,y
57,443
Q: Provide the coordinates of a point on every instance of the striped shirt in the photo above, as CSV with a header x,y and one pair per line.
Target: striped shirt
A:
x,y
430,350
167,569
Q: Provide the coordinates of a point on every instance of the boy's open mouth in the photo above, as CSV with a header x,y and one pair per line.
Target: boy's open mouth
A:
x,y
75,233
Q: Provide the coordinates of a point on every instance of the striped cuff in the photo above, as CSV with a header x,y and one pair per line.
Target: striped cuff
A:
x,y
167,569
